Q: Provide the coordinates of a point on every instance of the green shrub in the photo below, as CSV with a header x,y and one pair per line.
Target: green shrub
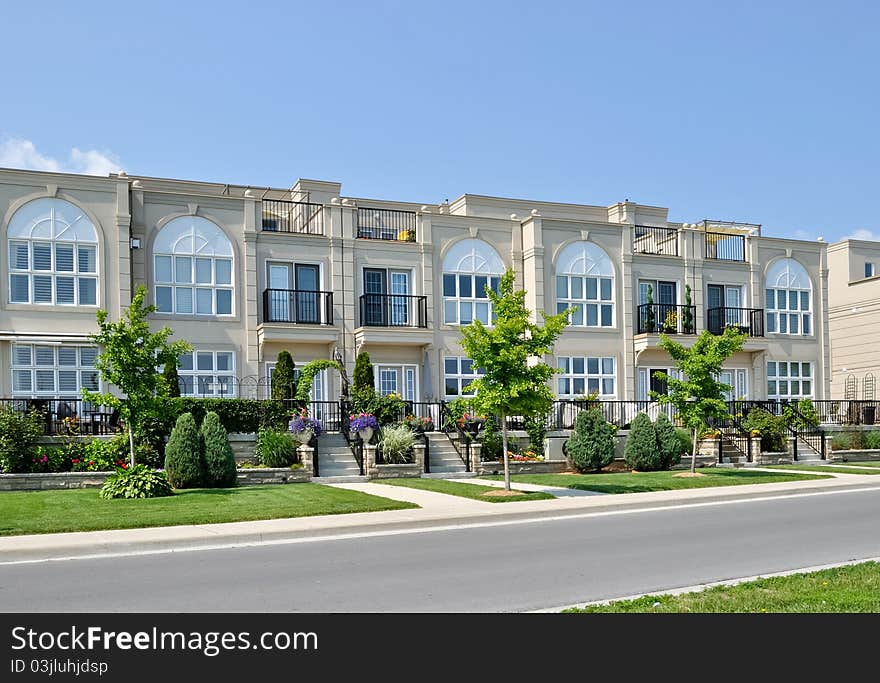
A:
x,y
396,442
275,448
536,428
388,409
872,439
805,417
284,377
363,373
591,445
490,438
669,444
137,482
184,464
172,379
18,438
771,428
641,452
219,459
686,440
841,441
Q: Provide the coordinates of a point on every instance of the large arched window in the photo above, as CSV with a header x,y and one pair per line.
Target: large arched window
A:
x,y
585,280
53,255
193,270
469,267
789,298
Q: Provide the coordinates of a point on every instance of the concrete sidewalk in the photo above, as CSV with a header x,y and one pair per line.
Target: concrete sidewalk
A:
x,y
437,511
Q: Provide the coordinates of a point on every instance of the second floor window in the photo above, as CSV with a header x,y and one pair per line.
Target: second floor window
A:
x,y
585,281
468,269
193,268
53,255
788,299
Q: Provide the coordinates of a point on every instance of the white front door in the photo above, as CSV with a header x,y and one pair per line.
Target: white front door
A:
x,y
279,306
400,304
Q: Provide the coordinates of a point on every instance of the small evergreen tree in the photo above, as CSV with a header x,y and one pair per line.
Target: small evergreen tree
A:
x,y
219,459
669,443
687,316
363,373
184,465
641,452
172,379
649,314
283,377
591,445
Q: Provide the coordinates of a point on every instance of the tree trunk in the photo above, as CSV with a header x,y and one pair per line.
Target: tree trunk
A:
x,y
130,441
504,449
694,453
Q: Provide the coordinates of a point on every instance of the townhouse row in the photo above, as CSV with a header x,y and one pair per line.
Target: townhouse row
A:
x,y
245,272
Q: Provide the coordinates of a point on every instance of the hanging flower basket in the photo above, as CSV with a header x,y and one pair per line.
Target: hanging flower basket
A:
x,y
303,427
364,424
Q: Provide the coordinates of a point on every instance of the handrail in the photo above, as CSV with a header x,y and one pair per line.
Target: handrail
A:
x,y
386,224
648,239
463,437
747,320
301,306
394,310
666,318
356,444
725,246
304,218
814,437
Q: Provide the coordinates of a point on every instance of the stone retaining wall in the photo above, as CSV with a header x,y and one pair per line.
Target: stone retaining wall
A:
x,y
52,480
525,467
396,471
863,455
254,476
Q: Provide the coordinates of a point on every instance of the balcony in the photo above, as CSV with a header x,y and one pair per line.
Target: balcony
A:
x,y
394,310
302,218
666,319
747,320
301,307
386,224
651,240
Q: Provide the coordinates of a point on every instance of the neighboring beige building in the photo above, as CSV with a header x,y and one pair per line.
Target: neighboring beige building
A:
x,y
854,305
245,272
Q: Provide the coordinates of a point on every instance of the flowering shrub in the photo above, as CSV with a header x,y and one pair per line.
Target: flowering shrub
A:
x,y
528,455
362,421
419,422
301,422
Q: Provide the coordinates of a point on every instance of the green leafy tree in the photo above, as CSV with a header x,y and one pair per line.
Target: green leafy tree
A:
x,y
363,373
131,353
699,396
172,380
184,461
640,451
284,377
591,445
220,470
669,444
512,383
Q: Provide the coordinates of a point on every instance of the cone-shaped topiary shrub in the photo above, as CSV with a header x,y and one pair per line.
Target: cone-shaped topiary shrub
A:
x,y
669,444
363,373
184,465
591,445
219,460
641,452
284,377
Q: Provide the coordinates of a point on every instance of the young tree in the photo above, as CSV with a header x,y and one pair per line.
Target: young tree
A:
x,y
129,360
698,395
512,383
220,468
283,377
172,379
363,373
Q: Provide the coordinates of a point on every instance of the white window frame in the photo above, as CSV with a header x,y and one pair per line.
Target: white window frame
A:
x,y
197,239
578,265
570,377
459,376
779,375
470,260
52,223
216,386
643,375
56,369
739,387
870,271
408,377
787,277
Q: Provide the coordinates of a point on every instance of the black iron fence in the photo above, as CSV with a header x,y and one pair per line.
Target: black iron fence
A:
x,y
666,319
748,320
67,416
303,218
724,246
651,240
386,224
299,306
394,310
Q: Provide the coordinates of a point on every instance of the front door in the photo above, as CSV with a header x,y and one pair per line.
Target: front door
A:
x,y
375,288
400,303
307,309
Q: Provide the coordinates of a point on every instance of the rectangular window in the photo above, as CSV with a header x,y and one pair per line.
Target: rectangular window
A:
x,y
53,371
586,295
788,311
46,273
459,373
175,277
869,269
465,298
207,373
789,380
583,376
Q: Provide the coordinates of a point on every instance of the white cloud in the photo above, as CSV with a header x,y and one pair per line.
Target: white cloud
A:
x,y
20,153
864,234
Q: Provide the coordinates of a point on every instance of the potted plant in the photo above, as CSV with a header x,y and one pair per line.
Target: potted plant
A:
x,y
670,324
470,424
419,423
304,427
406,236
364,424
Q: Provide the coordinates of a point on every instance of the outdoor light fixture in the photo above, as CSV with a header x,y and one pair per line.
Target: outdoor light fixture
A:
x,y
135,243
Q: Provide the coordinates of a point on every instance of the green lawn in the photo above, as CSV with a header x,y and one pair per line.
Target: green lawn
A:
x,y
45,512
627,482
862,463
842,469
855,588
454,488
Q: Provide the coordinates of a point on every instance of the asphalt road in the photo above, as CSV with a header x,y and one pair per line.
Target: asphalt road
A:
x,y
519,566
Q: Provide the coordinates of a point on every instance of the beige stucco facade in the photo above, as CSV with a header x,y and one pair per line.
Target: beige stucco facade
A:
x,y
412,335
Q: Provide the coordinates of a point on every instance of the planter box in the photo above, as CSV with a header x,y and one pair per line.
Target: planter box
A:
x,y
52,481
254,476
396,471
525,467
768,458
243,446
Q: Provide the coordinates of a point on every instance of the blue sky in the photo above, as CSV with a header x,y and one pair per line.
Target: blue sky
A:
x,y
752,111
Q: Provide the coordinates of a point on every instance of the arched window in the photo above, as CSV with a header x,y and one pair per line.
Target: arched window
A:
x,y
788,298
585,280
469,267
193,268
53,255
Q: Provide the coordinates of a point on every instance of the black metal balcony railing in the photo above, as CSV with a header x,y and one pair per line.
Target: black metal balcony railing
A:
x,y
666,319
297,306
386,224
724,246
748,320
651,240
394,310
298,217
